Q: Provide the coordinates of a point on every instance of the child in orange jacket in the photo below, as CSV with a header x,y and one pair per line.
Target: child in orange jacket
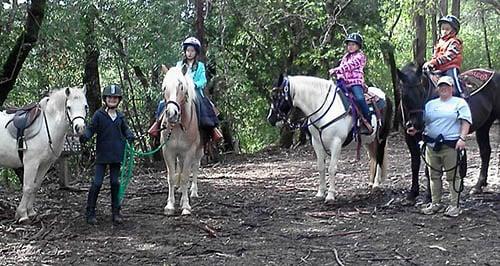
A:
x,y
447,57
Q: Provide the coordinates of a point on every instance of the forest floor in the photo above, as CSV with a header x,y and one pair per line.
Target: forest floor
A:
x,y
260,210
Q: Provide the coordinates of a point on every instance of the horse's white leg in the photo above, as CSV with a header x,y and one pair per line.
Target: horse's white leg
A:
x,y
332,169
320,157
186,208
194,183
170,162
30,171
40,176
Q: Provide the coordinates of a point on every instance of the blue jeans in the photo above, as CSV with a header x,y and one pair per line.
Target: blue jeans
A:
x,y
453,73
359,97
114,174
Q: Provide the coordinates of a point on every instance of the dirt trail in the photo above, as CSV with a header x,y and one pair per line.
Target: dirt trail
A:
x,y
259,210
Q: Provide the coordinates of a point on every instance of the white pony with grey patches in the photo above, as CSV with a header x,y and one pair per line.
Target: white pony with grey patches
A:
x,y
184,149
330,124
44,141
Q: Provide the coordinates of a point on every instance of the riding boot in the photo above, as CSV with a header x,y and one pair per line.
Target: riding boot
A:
x,y
216,135
115,205
91,204
365,127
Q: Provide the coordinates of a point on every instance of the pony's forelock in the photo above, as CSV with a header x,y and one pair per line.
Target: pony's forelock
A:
x,y
174,76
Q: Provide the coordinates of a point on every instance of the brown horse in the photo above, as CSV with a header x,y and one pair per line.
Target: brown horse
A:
x,y
484,103
184,148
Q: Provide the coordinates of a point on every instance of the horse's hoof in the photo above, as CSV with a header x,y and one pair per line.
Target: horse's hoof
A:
x,y
24,220
169,212
409,201
186,212
329,200
32,214
476,190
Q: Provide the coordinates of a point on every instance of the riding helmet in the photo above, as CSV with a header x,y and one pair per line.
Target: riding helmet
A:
x,y
192,41
356,38
112,90
452,20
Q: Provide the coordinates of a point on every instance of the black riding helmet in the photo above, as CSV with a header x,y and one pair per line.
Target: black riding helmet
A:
x,y
112,90
356,38
452,20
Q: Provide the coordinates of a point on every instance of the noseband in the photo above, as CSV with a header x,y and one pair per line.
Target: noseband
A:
x,y
284,101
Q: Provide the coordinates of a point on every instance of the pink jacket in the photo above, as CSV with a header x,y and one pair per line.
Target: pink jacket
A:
x,y
351,69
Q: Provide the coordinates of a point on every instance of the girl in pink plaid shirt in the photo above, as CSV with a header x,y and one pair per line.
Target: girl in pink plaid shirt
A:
x,y
351,72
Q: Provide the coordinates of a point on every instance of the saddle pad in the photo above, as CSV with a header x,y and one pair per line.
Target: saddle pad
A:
x,y
29,132
476,79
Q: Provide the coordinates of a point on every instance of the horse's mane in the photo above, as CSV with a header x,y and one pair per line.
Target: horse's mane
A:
x,y
57,97
174,76
412,73
309,81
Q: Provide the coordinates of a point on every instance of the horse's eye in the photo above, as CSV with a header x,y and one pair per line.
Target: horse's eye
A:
x,y
69,108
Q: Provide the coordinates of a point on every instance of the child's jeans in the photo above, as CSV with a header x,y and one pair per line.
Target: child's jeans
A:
x,y
359,97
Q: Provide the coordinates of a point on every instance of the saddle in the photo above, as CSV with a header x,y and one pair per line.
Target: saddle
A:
x,y
24,123
375,99
471,80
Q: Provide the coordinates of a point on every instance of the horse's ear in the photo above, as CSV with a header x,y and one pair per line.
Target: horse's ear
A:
x,y
164,69
419,70
84,89
67,91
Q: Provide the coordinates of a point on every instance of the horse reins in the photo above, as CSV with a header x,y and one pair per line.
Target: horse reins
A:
x,y
287,97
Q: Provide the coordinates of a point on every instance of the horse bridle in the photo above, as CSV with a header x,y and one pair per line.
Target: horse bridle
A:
x,y
406,122
176,104
284,101
286,98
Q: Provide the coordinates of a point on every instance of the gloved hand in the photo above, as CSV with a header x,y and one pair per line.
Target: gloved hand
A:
x,y
428,67
333,71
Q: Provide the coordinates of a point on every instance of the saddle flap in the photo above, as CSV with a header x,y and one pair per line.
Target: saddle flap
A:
x,y
27,108
29,131
24,118
475,79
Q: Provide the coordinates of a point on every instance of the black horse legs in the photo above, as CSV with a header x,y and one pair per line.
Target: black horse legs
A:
x,y
483,141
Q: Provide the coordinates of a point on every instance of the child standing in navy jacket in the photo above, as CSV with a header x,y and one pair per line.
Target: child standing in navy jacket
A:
x,y
112,131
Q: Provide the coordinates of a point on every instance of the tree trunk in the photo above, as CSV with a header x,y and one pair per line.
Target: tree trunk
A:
x,y
419,44
389,59
434,28
199,26
12,17
486,45
22,48
443,8
91,72
455,8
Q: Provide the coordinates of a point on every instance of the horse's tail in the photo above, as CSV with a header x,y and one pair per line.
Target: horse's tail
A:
x,y
383,136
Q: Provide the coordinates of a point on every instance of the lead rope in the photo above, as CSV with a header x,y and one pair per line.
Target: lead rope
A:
x,y
461,156
128,163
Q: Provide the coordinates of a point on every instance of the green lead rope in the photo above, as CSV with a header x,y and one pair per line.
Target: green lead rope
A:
x,y
128,164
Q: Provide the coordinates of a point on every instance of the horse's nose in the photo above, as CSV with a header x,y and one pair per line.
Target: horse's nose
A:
x,y
79,129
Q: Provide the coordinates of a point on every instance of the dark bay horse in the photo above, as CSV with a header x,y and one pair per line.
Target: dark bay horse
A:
x,y
484,105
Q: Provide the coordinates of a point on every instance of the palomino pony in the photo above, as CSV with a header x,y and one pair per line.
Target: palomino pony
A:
x,y
330,124
184,147
484,104
44,141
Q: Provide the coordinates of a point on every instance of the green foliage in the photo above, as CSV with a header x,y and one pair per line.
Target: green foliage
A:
x,y
251,43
